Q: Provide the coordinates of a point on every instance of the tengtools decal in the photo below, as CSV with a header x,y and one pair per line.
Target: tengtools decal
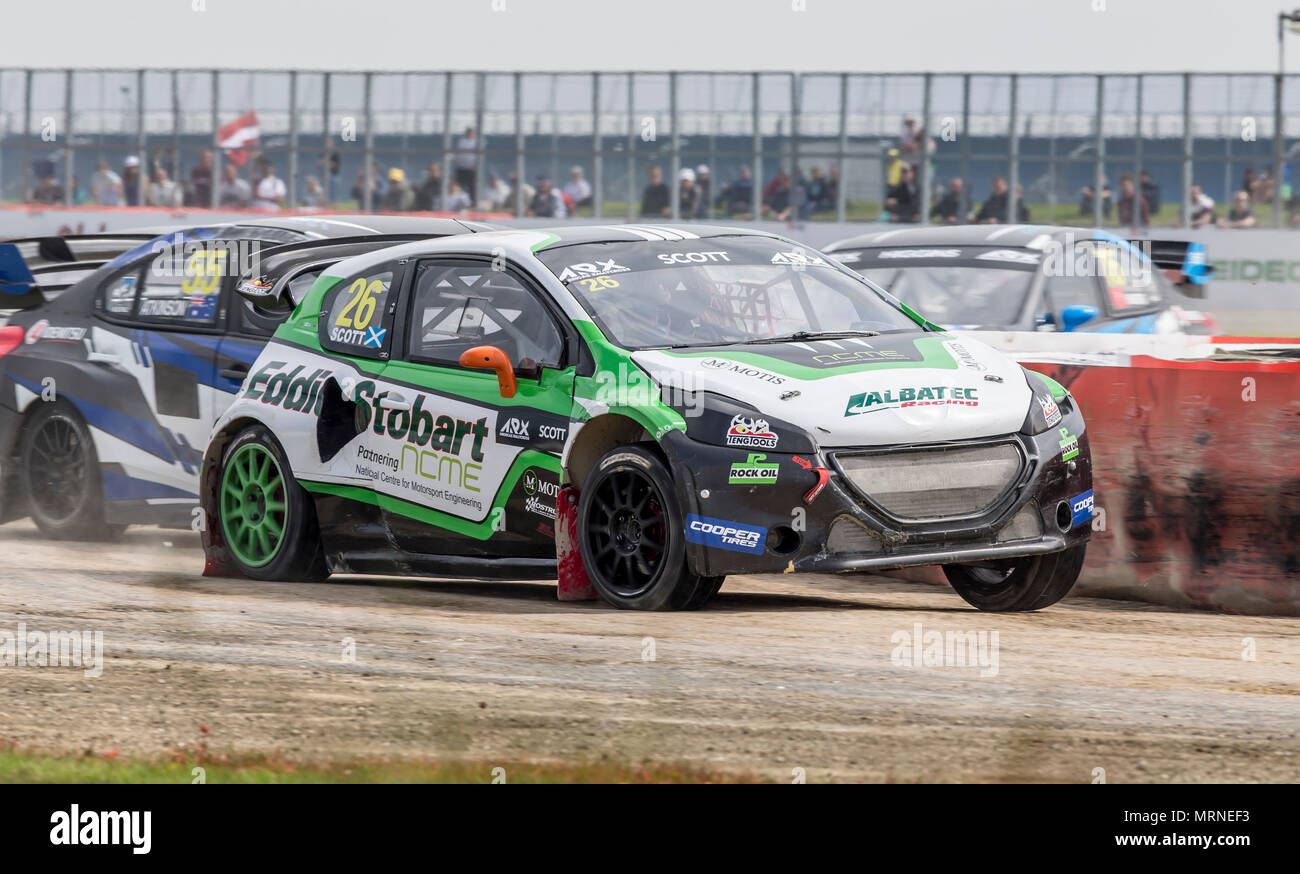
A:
x,y
750,432
920,396
753,470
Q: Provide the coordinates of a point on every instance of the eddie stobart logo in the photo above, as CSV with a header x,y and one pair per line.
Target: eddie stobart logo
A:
x,y
293,390
750,432
754,470
723,364
919,396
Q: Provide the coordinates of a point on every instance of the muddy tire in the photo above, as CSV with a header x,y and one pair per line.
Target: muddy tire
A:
x,y
1029,583
630,533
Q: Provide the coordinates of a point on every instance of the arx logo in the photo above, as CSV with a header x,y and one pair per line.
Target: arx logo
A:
x,y
515,428
591,268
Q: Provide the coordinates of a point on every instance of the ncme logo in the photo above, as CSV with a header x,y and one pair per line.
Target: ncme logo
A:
x,y
516,428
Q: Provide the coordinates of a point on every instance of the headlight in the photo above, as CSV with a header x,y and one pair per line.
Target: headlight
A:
x,y
1045,411
722,421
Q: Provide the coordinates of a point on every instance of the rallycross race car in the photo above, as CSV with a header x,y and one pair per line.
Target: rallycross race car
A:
x,y
721,401
120,350
1037,278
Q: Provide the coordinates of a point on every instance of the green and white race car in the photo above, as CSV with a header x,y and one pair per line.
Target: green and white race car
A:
x,y
687,403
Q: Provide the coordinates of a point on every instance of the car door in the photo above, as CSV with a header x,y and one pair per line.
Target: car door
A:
x,y
473,466
164,318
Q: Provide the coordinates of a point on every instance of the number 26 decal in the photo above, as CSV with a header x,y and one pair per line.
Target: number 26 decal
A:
x,y
360,310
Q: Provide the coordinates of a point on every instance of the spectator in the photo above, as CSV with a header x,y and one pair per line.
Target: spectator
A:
x,y
777,197
359,189
201,179
894,169
528,191
1022,211
458,199
270,189
466,163
655,199
578,189
1249,180
1262,190
164,191
902,201
954,207
1128,197
688,196
1087,198
1241,215
399,196
704,185
818,191
546,201
833,188
106,186
994,210
234,192
738,197
313,196
131,180
428,197
1201,208
1150,191
48,190
909,141
497,195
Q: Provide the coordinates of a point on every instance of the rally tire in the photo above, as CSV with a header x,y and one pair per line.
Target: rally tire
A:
x,y
631,534
1030,583
61,477
266,519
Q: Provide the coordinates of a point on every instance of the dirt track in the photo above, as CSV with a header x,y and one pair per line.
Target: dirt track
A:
x,y
778,673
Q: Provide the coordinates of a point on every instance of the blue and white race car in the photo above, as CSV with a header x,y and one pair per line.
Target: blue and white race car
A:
x,y
1036,278
113,367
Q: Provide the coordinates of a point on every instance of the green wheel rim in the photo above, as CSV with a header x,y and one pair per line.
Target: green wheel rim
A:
x,y
254,505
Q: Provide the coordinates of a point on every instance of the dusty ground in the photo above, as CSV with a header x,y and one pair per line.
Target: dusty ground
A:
x,y
778,673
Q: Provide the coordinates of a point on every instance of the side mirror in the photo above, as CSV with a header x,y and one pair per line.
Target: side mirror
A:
x,y
263,294
492,358
1076,315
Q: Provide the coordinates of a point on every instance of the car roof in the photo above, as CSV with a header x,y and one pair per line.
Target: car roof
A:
x,y
958,235
341,225
521,242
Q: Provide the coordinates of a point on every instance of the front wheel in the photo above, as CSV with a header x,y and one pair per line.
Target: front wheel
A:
x,y
630,529
1029,583
267,520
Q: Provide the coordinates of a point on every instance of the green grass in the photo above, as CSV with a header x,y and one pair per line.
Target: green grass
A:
x,y
18,766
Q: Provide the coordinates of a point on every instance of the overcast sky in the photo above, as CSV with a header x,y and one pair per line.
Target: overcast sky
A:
x,y
1075,36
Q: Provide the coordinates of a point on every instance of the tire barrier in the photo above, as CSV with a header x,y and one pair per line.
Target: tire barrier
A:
x,y
1196,460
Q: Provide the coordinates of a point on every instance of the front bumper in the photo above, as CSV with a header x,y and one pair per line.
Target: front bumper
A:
x,y
768,527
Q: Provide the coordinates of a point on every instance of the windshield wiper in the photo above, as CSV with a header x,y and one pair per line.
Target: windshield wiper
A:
x,y
809,335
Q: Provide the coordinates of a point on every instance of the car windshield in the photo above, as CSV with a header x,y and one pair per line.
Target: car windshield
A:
x,y
957,294
718,290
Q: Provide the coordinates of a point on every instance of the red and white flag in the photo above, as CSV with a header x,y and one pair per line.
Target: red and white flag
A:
x,y
238,139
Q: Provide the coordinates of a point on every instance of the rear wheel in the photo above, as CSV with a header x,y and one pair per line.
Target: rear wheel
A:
x,y
61,476
1017,585
267,520
630,534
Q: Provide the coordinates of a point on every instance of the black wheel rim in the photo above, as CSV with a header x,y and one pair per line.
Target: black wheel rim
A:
x,y
627,532
991,577
57,467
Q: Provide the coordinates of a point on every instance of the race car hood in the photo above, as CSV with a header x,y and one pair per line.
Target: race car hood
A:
x,y
870,391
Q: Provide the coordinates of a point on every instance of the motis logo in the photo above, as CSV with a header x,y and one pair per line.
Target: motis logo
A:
x,y
515,428
1081,508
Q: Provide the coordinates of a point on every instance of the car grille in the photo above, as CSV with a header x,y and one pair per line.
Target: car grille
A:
x,y
924,485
